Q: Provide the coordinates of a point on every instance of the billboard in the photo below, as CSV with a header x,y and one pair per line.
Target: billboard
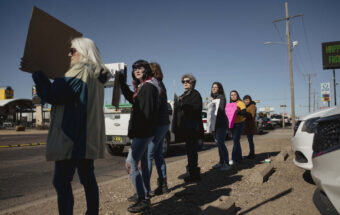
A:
x,y
331,55
6,93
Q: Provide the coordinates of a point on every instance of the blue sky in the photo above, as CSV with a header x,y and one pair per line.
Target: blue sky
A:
x,y
215,40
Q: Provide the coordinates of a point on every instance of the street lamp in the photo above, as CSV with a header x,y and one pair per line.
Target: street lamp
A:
x,y
294,43
290,45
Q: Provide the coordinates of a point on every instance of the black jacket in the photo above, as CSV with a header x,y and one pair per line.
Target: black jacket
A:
x,y
221,118
143,120
163,118
188,116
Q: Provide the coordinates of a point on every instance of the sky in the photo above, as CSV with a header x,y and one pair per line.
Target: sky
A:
x,y
216,40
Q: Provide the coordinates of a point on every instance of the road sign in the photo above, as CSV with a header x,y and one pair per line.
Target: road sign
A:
x,y
326,92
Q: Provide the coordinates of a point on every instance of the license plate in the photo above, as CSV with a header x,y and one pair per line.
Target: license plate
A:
x,y
118,139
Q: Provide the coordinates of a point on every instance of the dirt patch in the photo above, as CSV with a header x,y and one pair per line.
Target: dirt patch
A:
x,y
285,192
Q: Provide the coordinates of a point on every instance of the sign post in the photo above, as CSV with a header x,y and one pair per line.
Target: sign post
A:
x,y
326,92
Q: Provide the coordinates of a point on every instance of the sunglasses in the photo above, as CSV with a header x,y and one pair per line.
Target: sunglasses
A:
x,y
72,51
186,81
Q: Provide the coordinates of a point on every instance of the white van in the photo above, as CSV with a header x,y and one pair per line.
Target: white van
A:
x,y
116,129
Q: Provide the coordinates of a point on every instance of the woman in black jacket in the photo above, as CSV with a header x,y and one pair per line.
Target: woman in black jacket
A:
x,y
221,127
189,125
142,126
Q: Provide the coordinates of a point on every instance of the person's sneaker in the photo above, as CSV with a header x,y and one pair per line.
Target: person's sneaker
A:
x,y
134,198
225,167
140,206
231,162
217,166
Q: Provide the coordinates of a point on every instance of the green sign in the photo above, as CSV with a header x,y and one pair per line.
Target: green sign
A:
x,y
331,55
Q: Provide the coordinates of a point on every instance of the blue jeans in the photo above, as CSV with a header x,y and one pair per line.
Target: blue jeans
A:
x,y
155,150
63,175
138,152
251,143
220,135
237,132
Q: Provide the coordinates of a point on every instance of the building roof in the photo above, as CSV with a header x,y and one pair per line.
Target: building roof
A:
x,y
15,105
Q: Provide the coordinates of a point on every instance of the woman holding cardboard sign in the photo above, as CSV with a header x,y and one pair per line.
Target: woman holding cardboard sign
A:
x,y
237,127
77,132
221,126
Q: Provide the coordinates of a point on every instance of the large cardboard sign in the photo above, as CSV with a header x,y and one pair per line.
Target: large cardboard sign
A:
x,y
48,43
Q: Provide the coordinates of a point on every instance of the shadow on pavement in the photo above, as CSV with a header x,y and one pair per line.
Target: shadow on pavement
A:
x,y
189,198
286,192
308,177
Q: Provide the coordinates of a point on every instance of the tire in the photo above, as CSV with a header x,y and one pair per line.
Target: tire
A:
x,y
114,150
166,144
323,204
200,144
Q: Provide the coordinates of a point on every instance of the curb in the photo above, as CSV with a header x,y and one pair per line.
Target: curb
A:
x,y
22,145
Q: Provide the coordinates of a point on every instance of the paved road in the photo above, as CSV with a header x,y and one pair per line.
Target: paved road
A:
x,y
22,139
25,176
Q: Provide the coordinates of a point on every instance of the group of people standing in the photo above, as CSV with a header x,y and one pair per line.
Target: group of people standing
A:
x,y
77,132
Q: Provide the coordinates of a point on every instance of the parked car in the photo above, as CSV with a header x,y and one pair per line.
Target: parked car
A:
x,y
267,123
259,125
302,141
326,168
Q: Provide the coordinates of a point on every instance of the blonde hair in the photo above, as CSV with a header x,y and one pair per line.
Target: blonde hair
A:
x,y
88,51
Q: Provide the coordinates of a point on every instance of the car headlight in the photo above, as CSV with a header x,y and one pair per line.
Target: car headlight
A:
x,y
309,126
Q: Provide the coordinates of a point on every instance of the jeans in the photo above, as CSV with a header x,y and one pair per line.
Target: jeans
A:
x,y
237,151
251,143
138,152
63,175
191,147
220,135
155,151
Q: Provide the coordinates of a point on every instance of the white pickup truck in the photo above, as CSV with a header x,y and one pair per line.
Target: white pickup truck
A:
x,y
116,128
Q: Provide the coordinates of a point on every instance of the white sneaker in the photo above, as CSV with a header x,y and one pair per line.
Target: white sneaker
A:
x,y
231,162
217,166
225,167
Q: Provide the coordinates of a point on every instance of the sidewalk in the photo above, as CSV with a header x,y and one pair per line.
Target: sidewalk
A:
x,y
285,192
27,131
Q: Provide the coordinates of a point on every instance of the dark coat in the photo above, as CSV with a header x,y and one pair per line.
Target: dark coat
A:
x,y
221,118
250,122
188,124
145,108
163,118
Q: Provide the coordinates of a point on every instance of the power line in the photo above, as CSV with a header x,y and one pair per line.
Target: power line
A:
x,y
278,31
309,53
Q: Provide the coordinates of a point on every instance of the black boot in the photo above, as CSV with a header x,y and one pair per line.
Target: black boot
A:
x,y
162,187
194,175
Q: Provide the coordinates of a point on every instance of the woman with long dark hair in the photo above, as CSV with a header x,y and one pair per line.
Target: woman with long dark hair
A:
x,y
238,126
250,124
155,150
221,127
142,126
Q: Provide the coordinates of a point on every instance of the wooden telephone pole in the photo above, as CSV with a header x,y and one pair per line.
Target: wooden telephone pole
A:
x,y
287,18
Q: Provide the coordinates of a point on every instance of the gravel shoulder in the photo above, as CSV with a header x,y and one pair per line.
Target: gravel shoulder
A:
x,y
287,191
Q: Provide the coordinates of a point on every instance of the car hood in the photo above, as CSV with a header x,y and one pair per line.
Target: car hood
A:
x,y
321,113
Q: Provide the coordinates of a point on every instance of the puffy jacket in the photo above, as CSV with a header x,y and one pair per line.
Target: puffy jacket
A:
x,y
77,129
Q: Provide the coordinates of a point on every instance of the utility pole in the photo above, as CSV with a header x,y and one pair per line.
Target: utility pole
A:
x,y
314,100
309,85
317,103
334,81
287,18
